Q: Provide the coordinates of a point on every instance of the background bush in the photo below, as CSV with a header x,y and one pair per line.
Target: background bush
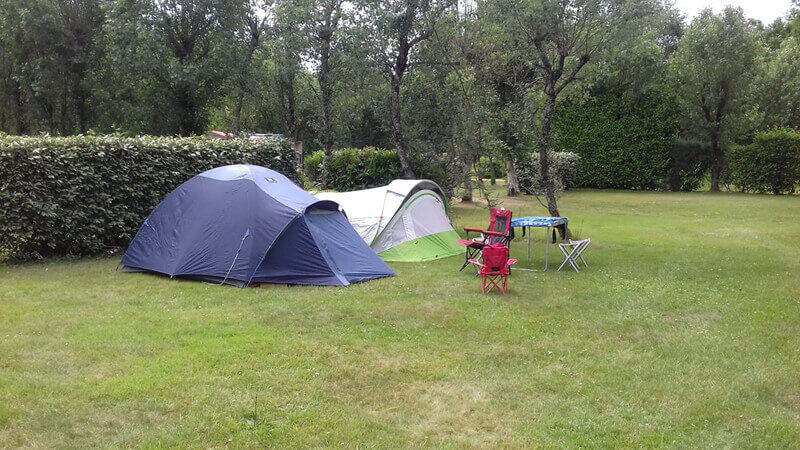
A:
x,y
83,195
497,165
563,170
688,165
623,140
313,166
351,169
770,164
440,167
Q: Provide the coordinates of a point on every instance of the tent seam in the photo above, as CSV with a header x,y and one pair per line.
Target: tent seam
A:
x,y
272,244
331,264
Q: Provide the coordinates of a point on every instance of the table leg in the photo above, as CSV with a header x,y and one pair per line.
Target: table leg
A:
x,y
528,229
547,248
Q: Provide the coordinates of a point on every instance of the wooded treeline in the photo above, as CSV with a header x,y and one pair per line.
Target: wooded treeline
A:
x,y
629,85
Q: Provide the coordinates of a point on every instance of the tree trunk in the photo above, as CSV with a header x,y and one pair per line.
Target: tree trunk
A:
x,y
186,120
290,109
467,196
4,92
66,127
397,130
492,175
327,133
544,159
717,161
237,111
510,139
81,109
512,183
291,127
242,84
80,95
325,97
50,114
19,109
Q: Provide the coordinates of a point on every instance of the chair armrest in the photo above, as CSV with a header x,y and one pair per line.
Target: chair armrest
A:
x,y
475,262
511,261
477,230
492,233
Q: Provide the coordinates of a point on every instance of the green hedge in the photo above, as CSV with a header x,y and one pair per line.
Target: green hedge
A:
x,y
350,169
624,141
84,195
313,166
770,164
563,171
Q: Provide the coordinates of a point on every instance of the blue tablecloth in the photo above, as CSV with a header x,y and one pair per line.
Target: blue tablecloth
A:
x,y
532,221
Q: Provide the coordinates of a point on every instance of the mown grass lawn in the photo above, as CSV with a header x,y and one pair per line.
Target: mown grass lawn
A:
x,y
684,331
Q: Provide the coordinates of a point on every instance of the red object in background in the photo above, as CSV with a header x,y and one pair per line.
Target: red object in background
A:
x,y
220,134
494,269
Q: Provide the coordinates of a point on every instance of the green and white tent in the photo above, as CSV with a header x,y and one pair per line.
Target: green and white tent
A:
x,y
403,221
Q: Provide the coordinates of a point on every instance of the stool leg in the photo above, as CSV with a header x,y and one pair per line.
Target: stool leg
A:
x,y
570,254
580,253
566,256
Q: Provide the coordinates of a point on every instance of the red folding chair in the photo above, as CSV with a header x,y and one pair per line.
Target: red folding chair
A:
x,y
495,268
498,234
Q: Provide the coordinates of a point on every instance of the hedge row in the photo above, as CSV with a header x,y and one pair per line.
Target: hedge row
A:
x,y
351,169
624,141
84,195
770,164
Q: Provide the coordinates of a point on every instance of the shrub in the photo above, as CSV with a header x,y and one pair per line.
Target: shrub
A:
x,y
770,164
85,194
623,141
688,165
439,167
486,168
563,170
350,169
313,165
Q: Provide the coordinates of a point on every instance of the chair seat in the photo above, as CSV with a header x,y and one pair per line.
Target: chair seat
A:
x,y
494,269
498,272
466,243
477,244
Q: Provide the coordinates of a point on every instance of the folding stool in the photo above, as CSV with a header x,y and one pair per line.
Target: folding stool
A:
x,y
573,251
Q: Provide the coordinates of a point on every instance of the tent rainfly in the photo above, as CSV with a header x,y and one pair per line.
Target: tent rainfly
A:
x,y
405,220
246,224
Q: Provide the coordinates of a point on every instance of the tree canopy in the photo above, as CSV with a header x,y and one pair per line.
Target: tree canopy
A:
x,y
443,82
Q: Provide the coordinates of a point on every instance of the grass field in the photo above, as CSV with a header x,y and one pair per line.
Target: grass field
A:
x,y
684,332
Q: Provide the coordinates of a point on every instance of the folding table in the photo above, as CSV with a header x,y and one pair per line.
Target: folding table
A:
x,y
539,222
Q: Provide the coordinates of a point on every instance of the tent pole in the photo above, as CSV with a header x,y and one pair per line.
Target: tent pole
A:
x,y
246,234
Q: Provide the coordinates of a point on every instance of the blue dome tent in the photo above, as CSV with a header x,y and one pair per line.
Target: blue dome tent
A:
x,y
245,224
